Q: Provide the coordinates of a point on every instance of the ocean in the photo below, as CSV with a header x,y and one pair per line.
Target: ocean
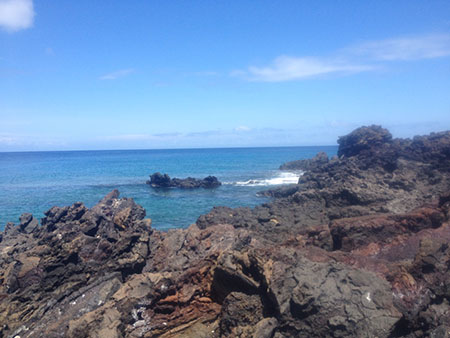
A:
x,y
36,181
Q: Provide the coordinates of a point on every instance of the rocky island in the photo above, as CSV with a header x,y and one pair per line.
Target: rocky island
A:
x,y
358,248
158,180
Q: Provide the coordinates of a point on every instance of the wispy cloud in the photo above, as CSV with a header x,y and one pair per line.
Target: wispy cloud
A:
x,y
128,137
23,142
117,74
408,48
241,136
363,57
286,68
8,139
16,14
175,134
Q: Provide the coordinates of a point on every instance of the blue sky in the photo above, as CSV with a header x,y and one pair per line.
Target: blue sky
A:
x,y
179,74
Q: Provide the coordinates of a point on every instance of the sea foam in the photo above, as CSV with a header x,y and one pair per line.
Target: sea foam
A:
x,y
281,178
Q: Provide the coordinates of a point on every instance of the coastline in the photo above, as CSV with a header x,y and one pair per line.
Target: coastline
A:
x,y
34,183
358,247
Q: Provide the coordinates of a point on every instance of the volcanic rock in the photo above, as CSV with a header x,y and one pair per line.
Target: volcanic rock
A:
x,y
28,223
158,180
363,139
307,164
358,248
70,265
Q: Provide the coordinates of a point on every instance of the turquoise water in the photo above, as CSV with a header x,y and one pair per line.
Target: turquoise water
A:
x,y
36,181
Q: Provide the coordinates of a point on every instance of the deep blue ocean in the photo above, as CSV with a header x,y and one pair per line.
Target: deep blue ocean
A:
x,y
36,181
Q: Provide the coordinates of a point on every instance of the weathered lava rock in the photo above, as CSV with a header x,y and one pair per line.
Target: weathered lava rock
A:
x,y
363,139
70,265
307,164
158,180
359,248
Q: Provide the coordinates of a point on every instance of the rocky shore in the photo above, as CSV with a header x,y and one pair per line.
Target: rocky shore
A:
x,y
358,248
308,164
158,180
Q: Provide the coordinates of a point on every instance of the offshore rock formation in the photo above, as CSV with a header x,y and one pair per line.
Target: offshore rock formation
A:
x,y
359,248
158,180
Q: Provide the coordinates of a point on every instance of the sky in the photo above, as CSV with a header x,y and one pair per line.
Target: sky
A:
x,y
79,75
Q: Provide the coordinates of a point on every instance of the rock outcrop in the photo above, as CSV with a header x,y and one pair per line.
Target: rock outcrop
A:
x,y
158,180
359,248
309,164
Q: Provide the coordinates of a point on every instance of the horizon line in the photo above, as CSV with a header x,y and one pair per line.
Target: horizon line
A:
x,y
145,149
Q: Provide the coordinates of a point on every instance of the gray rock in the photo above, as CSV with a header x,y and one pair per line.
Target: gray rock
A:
x,y
28,223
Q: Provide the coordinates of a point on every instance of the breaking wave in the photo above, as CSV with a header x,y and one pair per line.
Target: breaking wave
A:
x,y
281,178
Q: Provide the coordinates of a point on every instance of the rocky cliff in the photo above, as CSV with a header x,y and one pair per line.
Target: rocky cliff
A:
x,y
359,247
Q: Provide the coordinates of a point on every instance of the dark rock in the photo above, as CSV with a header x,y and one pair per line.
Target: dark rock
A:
x,y
158,180
28,223
240,314
280,192
308,164
239,217
43,269
386,176
363,139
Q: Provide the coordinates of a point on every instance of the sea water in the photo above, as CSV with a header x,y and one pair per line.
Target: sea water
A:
x,y
36,181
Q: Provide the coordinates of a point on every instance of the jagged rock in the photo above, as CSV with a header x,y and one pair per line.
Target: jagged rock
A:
x,y
28,223
44,269
158,180
360,247
308,164
386,176
363,139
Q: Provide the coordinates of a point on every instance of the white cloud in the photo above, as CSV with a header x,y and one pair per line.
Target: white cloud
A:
x,y
407,48
367,56
117,74
16,14
286,68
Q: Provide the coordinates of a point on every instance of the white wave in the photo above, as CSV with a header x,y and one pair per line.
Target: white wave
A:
x,y
281,178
